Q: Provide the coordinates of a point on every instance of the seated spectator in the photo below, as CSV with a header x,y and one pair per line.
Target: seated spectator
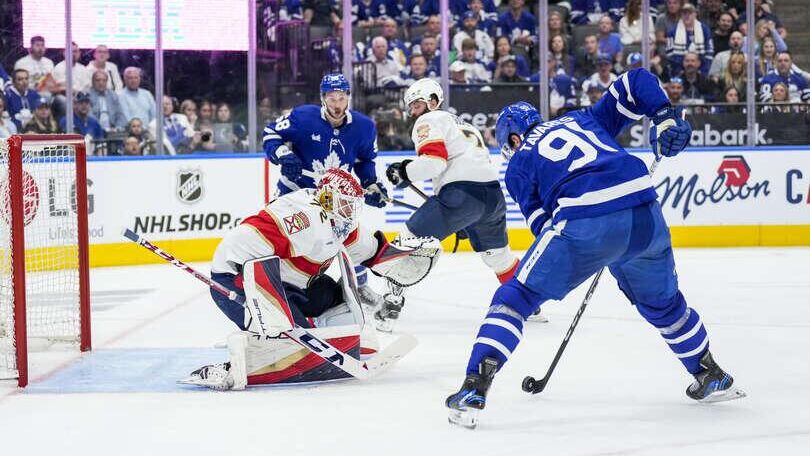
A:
x,y
43,121
429,50
762,12
391,130
20,101
135,101
766,59
7,127
734,76
178,134
594,94
764,30
367,13
591,11
38,66
229,136
417,69
189,109
146,142
484,44
690,36
710,12
132,146
674,90
433,27
83,123
610,43
476,71
721,33
630,25
798,90
562,88
518,24
586,57
206,115
397,49
659,66
105,106
458,73
503,48
721,59
487,17
559,51
101,61
557,26
507,70
666,22
780,93
732,97
697,88
387,69
81,75
320,13
602,78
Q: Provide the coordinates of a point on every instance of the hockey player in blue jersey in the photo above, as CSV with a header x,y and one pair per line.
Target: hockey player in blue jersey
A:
x,y
591,205
315,138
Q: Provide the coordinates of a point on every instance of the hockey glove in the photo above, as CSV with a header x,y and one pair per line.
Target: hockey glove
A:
x,y
291,166
376,195
397,175
670,133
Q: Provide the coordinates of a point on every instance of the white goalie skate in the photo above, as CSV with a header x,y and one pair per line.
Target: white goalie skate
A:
x,y
388,313
214,376
370,300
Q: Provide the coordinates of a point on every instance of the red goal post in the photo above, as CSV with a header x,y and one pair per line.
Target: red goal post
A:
x,y
44,267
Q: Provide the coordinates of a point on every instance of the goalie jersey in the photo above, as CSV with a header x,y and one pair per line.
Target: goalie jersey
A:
x,y
441,136
295,228
572,167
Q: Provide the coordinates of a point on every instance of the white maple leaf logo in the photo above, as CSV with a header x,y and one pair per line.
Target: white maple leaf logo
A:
x,y
331,161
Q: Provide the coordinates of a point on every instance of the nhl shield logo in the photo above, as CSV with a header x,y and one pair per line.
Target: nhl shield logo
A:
x,y
189,186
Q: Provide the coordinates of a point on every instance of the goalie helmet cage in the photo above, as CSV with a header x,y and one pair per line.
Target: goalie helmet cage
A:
x,y
44,275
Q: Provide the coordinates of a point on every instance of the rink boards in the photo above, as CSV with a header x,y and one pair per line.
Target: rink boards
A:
x,y
710,196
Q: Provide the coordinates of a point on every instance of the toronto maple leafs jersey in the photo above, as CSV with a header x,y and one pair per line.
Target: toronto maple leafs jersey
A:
x,y
798,89
572,167
307,133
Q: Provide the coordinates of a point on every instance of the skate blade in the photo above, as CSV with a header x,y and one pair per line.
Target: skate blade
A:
x,y
539,318
467,418
197,381
722,396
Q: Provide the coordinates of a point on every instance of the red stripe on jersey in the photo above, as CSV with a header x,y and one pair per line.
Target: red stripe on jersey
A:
x,y
266,225
305,265
434,149
352,237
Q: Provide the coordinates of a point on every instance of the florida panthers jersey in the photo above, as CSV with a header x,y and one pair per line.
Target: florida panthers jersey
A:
x,y
573,167
443,136
351,147
295,228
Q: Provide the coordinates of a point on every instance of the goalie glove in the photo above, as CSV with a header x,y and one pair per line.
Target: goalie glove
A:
x,y
404,262
670,133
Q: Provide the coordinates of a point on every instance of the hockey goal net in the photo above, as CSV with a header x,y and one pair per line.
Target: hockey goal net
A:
x,y
44,281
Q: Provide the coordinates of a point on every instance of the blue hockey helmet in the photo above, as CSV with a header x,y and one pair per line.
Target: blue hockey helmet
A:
x,y
335,82
514,119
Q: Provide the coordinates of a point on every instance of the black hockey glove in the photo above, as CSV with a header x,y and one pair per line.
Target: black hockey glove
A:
x,y
376,194
397,175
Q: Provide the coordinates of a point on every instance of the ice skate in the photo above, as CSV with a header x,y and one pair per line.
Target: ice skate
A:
x,y
388,313
215,376
471,398
369,299
713,384
538,316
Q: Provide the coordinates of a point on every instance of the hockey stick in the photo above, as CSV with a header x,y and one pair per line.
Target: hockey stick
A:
x,y
356,368
534,386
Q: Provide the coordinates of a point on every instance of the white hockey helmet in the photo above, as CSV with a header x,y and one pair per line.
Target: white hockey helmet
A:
x,y
424,89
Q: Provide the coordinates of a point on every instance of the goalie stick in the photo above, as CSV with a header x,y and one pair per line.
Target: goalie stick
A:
x,y
533,385
359,369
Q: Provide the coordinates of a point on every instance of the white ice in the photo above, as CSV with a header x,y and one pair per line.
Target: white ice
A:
x,y
617,390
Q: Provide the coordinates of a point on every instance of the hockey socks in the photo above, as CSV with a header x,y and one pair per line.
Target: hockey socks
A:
x,y
499,335
688,339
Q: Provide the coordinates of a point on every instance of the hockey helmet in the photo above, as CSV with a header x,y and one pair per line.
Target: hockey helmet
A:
x,y
515,119
424,89
341,197
335,82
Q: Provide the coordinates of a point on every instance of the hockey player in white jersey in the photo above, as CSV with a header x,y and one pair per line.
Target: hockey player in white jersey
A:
x,y
467,194
300,234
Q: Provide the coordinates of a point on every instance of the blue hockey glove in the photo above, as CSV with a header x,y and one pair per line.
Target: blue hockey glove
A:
x,y
376,195
397,175
670,133
291,166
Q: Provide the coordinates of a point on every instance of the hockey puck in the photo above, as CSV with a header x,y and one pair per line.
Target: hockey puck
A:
x,y
529,384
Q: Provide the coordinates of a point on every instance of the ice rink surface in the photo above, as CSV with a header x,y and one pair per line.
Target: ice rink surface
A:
x,y
618,389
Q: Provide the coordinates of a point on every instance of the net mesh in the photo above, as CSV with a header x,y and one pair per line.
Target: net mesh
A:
x,y
51,249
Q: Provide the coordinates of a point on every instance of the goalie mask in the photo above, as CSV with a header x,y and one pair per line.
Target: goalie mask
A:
x,y
341,197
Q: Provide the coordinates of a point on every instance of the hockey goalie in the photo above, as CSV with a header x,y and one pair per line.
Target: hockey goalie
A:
x,y
276,261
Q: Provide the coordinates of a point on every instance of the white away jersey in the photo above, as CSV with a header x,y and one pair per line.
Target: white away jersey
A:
x,y
443,136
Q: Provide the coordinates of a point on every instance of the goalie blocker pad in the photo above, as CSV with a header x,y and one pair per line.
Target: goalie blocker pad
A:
x,y
404,262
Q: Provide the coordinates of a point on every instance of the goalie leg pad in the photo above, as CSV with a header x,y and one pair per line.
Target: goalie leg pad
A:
x,y
269,311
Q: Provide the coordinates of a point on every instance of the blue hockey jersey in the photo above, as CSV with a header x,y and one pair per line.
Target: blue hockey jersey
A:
x,y
572,167
798,89
352,147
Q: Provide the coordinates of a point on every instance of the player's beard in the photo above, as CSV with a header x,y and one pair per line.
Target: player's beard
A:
x,y
336,120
